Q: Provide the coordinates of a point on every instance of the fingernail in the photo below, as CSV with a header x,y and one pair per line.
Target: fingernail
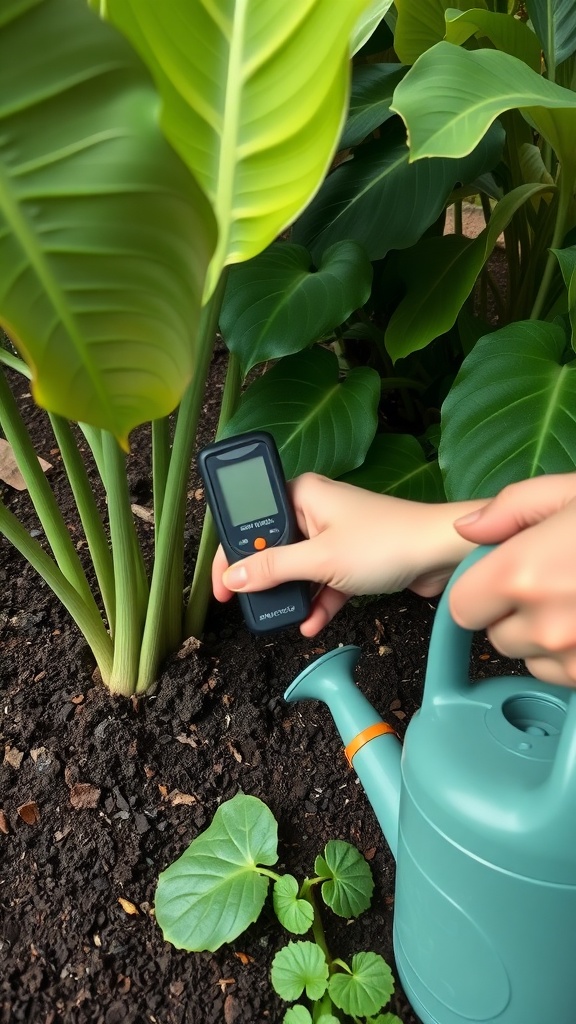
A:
x,y
235,577
470,518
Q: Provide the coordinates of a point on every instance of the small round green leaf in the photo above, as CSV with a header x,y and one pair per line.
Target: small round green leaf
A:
x,y
366,990
349,889
327,1018
296,915
214,890
297,1014
384,1018
298,967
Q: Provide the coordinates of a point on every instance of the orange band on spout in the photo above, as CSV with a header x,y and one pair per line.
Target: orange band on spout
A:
x,y
378,729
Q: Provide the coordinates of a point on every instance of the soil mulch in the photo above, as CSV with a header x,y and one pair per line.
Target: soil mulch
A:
x,y
99,794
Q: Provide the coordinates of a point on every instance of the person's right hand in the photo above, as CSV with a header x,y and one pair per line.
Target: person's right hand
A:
x,y
356,542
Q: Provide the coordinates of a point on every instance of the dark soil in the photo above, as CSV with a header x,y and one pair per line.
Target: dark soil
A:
x,y
78,938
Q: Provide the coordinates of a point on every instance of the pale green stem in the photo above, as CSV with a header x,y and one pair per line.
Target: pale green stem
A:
x,y
564,200
200,590
162,630
88,512
85,615
129,611
160,464
41,494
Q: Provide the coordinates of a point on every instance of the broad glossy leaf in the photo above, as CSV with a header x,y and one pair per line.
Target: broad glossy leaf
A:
x,y
451,96
367,989
372,90
300,967
381,200
557,32
278,303
254,102
297,1014
439,275
421,23
368,22
511,413
319,422
567,260
104,236
506,33
214,891
294,914
396,464
348,891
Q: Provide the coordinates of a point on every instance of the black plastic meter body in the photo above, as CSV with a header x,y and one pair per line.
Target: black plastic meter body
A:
x,y
246,493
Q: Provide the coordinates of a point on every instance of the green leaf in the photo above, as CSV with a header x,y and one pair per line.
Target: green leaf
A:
x,y
506,33
319,422
567,260
367,989
385,1018
451,96
298,967
396,464
421,24
294,914
381,200
372,91
368,23
297,1014
254,106
348,891
439,273
104,236
554,22
277,304
214,890
511,413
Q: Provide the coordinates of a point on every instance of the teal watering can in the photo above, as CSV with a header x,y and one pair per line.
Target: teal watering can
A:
x,y
479,810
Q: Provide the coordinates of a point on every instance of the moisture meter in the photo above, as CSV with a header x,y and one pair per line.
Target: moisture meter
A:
x,y
246,493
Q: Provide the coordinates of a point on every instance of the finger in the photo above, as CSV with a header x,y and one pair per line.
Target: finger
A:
x,y
476,600
219,566
561,672
325,606
274,565
516,507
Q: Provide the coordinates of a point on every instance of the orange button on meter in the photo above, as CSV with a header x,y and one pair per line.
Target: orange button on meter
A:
x,y
260,543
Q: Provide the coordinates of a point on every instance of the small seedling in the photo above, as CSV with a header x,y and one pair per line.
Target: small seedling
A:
x,y
219,885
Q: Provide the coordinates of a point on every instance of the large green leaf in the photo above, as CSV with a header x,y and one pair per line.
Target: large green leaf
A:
x,y
511,413
372,91
421,23
368,23
319,422
396,464
214,890
278,303
383,201
254,101
554,22
451,96
506,33
439,273
104,237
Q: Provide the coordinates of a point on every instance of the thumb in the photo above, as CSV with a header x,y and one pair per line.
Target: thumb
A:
x,y
275,565
517,507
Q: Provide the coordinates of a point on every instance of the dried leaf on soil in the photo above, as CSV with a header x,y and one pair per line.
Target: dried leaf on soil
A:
x,y
175,797
9,472
84,796
146,514
4,827
29,812
13,756
128,906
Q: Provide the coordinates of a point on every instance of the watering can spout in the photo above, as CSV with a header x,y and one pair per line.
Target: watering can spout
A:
x,y
371,746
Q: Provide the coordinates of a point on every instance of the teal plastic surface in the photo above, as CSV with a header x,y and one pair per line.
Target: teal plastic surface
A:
x,y
479,810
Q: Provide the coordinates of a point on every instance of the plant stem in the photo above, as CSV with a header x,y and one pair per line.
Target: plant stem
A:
x,y
162,630
564,199
160,464
200,590
89,515
41,494
85,615
129,610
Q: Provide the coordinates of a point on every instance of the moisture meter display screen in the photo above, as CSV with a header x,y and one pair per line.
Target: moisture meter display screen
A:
x,y
247,491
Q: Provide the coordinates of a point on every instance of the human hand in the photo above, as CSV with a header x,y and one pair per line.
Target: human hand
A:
x,y
524,592
356,542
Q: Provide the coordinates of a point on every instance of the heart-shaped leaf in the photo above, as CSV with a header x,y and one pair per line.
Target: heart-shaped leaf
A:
x,y
366,989
511,413
278,303
214,890
297,1014
396,464
372,91
294,914
348,891
104,237
300,967
319,422
253,102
